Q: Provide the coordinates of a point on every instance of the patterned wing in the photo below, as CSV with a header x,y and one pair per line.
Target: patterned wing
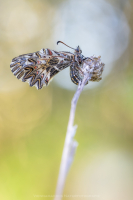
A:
x,y
76,74
39,68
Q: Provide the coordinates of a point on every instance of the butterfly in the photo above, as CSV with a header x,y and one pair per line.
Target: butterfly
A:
x,y
40,67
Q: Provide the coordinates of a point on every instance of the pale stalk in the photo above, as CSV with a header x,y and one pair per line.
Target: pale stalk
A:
x,y
70,144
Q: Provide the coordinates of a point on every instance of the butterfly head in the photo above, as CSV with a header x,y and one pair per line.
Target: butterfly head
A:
x,y
78,50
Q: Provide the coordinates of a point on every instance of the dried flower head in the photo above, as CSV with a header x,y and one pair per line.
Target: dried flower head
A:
x,y
94,67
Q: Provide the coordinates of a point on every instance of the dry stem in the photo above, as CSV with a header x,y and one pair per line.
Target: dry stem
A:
x,y
70,144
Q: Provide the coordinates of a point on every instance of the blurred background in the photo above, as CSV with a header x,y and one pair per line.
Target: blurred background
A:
x,y
33,123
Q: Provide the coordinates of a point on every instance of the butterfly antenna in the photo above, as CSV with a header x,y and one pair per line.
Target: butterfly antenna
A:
x,y
65,44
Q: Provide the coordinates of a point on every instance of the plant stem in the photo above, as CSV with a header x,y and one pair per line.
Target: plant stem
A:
x,y
70,144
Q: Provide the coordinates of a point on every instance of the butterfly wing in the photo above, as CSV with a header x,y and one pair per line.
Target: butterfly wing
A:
x,y
76,74
38,68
